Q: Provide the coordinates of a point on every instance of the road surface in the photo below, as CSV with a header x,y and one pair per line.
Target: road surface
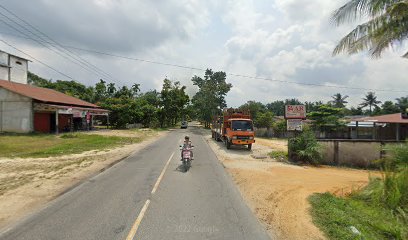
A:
x,y
148,196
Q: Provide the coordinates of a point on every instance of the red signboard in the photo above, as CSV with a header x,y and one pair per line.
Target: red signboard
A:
x,y
295,111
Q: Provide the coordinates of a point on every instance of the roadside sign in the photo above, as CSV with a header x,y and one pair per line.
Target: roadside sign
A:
x,y
294,125
295,112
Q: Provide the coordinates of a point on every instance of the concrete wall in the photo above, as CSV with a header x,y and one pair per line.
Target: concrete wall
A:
x,y
18,70
4,71
16,112
353,153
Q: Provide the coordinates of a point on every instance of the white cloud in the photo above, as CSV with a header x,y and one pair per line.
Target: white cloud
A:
x,y
286,40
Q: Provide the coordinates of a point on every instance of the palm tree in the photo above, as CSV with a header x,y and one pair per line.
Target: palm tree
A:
x,y
370,100
402,104
339,101
387,25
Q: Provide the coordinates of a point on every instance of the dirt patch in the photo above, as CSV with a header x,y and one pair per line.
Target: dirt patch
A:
x,y
277,192
28,183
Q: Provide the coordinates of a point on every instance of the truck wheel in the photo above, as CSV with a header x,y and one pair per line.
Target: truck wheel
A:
x,y
228,144
249,147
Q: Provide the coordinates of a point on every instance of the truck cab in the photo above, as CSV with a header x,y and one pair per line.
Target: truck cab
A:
x,y
239,131
234,127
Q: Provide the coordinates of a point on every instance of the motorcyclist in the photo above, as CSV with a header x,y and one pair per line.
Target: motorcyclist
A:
x,y
187,144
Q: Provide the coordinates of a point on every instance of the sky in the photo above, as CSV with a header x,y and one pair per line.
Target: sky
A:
x,y
282,41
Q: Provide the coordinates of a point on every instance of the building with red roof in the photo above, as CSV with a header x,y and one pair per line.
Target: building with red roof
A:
x,y
26,108
384,127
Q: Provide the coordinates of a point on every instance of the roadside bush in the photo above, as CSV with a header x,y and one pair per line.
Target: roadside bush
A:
x,y
279,155
392,190
305,148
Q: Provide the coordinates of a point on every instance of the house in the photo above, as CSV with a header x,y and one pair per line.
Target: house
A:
x,y
13,68
25,108
384,127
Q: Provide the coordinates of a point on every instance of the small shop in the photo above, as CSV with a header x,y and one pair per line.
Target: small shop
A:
x,y
59,118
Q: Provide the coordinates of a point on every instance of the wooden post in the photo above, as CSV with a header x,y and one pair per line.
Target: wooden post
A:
x,y
56,122
356,129
374,131
397,131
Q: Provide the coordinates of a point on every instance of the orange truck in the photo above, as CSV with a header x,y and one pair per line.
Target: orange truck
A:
x,y
234,127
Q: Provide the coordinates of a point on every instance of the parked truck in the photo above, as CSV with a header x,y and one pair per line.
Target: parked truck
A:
x,y
234,127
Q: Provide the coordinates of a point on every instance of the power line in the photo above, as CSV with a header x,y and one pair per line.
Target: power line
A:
x,y
228,73
70,53
80,64
21,51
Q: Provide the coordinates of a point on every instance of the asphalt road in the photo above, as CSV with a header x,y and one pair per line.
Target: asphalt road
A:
x,y
148,196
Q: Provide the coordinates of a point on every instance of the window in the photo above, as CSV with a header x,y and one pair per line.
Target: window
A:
x,y
242,125
19,63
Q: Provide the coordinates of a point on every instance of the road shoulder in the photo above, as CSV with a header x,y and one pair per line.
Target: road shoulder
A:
x,y
46,185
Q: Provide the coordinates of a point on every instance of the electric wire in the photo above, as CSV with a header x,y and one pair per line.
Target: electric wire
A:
x,y
36,59
232,74
41,42
70,53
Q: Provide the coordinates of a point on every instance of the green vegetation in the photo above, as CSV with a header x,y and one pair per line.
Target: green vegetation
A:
x,y
305,148
210,98
378,211
279,155
385,26
335,216
44,145
128,105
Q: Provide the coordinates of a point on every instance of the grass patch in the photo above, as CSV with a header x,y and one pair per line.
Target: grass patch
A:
x,y
279,155
45,145
335,216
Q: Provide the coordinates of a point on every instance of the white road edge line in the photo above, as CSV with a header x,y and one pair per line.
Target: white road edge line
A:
x,y
162,174
139,218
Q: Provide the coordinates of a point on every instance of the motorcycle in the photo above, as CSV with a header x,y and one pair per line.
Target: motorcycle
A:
x,y
186,155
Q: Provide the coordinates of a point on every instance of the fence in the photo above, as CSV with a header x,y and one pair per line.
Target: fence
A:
x,y
352,153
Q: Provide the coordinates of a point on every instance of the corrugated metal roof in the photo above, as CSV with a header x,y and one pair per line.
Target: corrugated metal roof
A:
x,y
389,118
44,94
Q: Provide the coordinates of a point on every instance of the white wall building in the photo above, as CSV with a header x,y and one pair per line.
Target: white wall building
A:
x,y
13,68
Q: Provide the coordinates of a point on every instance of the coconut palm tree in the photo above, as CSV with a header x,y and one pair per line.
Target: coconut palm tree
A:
x,y
370,100
339,101
387,25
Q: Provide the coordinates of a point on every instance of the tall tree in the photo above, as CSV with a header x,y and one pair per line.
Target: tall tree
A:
x,y
327,116
173,101
371,101
387,25
339,100
254,108
388,107
402,104
210,98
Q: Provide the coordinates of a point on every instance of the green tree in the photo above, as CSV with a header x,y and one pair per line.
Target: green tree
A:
x,y
312,106
370,100
100,91
402,104
210,98
387,25
339,100
277,107
264,120
326,116
173,101
388,107
254,108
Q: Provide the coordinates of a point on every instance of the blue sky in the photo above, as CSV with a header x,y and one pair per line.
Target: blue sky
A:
x,y
286,40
